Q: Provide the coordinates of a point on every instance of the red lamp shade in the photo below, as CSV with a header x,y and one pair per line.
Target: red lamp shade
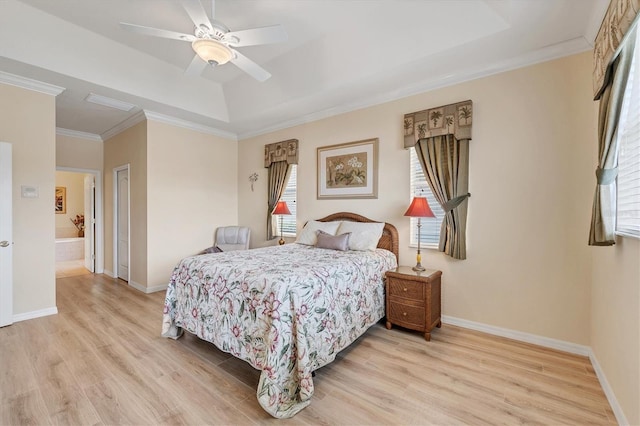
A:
x,y
419,208
281,208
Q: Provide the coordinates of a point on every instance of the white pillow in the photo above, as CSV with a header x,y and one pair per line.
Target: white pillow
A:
x,y
309,234
364,236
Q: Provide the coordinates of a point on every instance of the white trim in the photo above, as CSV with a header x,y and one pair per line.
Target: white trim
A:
x,y
30,84
99,231
606,387
535,339
35,314
548,53
78,134
124,125
147,290
109,273
161,118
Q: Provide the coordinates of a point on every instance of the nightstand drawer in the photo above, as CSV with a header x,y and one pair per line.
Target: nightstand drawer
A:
x,y
406,315
405,289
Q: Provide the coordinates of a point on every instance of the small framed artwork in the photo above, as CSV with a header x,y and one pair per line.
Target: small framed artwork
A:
x,y
348,170
61,200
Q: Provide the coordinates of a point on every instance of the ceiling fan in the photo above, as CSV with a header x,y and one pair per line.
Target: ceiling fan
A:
x,y
214,43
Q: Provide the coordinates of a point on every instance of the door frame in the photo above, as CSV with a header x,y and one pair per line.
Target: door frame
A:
x,y
6,288
126,167
99,212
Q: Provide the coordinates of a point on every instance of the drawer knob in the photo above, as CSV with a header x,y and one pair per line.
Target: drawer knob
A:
x,y
405,289
404,314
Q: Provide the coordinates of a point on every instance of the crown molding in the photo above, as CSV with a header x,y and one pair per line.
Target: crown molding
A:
x,y
78,134
30,84
547,53
161,118
124,125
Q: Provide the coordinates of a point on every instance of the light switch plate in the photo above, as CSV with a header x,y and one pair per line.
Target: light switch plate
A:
x,y
29,191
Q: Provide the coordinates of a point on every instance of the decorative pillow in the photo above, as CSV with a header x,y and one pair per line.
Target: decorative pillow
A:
x,y
364,236
333,242
308,235
214,249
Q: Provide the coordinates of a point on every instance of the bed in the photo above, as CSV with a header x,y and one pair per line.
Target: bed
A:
x,y
286,310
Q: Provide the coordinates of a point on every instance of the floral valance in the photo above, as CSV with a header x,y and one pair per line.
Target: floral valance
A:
x,y
452,119
281,151
617,20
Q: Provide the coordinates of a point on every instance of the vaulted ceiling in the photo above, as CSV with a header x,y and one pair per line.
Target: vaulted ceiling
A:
x,y
340,55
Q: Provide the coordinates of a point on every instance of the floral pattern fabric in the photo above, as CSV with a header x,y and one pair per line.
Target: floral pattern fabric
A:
x,y
286,310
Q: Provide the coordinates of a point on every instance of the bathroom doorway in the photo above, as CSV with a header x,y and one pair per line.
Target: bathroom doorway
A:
x,y
78,222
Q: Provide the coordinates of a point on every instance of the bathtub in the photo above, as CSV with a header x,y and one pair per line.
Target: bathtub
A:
x,y
69,249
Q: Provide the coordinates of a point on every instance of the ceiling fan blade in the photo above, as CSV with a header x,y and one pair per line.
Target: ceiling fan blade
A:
x,y
250,67
196,67
156,32
197,13
254,36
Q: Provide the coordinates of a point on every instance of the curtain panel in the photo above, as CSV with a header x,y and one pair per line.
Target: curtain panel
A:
x,y
441,139
445,163
603,215
617,20
277,181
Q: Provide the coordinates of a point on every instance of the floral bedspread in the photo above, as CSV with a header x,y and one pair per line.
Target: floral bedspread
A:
x,y
286,310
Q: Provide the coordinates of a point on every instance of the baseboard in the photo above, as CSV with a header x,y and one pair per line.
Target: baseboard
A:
x,y
606,387
547,342
35,314
147,290
109,273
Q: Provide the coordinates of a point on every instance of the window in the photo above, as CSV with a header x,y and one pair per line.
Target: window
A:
x,y
628,209
289,195
430,232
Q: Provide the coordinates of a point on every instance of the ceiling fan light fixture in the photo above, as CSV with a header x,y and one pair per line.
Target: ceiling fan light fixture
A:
x,y
212,51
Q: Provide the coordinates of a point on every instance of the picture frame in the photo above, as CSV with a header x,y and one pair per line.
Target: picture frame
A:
x,y
348,170
61,200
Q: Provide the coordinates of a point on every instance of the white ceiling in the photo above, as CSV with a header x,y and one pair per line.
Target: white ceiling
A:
x,y
340,55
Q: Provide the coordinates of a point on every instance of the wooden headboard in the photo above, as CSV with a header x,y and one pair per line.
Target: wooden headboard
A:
x,y
389,238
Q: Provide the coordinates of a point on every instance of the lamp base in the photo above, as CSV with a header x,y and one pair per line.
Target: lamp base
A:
x,y
419,267
281,242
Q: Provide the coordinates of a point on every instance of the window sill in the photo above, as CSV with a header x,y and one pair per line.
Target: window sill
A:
x,y
627,235
424,246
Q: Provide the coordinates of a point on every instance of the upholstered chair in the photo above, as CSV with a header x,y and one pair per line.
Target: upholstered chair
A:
x,y
229,238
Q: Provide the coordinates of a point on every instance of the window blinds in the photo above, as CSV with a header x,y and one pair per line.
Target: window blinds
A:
x,y
289,195
430,232
628,210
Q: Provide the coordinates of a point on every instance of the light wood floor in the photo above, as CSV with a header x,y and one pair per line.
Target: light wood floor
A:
x,y
71,268
101,361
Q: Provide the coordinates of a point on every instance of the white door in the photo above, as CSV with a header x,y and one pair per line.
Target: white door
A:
x,y
89,222
123,224
6,237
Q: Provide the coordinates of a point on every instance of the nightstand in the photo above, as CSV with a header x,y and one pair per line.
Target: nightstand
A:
x,y
413,299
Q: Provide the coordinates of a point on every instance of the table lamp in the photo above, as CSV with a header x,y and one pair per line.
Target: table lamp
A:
x,y
419,208
281,210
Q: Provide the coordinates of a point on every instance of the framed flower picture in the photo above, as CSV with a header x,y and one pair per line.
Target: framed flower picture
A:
x,y
61,200
348,170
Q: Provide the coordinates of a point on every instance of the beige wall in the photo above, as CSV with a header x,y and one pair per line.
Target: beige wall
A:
x,y
74,183
27,121
615,320
79,153
527,266
192,189
128,147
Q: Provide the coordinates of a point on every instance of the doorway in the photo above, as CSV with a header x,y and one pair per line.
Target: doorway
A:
x,y
79,230
121,225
